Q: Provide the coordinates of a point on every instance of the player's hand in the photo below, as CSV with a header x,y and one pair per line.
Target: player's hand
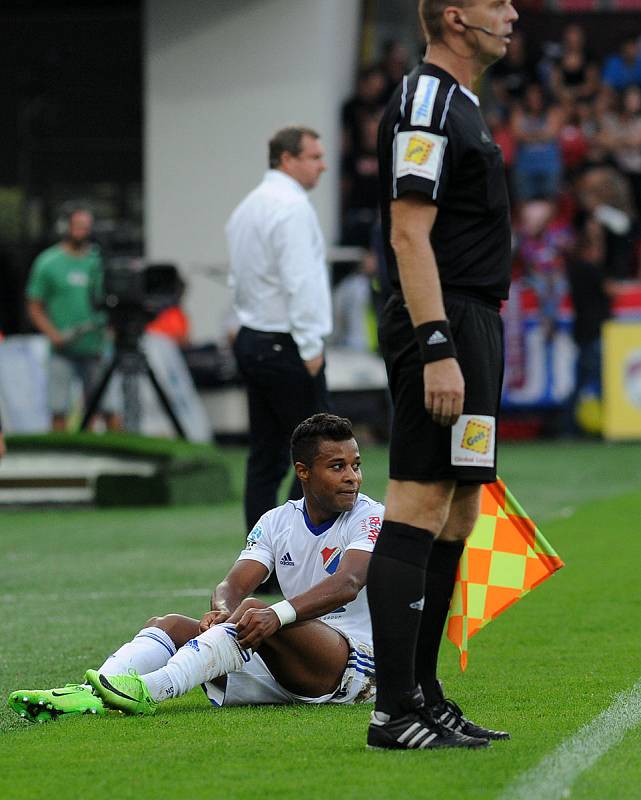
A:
x,y
255,625
444,390
212,618
314,365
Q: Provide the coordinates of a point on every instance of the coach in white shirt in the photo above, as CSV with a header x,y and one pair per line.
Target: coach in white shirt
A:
x,y
281,295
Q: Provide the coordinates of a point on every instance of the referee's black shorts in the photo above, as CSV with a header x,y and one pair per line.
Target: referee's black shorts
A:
x,y
421,450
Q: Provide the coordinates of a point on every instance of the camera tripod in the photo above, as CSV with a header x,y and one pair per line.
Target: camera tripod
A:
x,y
131,360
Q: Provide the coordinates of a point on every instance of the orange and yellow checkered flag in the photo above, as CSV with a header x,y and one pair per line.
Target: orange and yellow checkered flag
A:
x,y
505,557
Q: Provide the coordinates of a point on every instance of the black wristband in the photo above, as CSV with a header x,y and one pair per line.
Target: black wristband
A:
x,y
435,341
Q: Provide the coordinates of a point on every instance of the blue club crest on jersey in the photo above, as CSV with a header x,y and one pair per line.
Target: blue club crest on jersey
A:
x,y
331,559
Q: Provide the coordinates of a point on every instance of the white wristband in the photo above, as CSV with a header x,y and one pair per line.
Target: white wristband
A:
x,y
285,612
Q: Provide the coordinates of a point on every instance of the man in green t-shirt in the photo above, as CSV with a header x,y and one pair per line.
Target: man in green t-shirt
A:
x,y
64,279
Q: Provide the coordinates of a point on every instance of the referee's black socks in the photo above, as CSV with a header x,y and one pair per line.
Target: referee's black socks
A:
x,y
396,596
439,585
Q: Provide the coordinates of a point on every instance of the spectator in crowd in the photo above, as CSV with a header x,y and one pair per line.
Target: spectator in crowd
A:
x,y
623,69
575,73
367,101
360,186
621,136
591,293
593,118
513,73
395,63
536,126
544,240
604,193
281,295
572,137
64,281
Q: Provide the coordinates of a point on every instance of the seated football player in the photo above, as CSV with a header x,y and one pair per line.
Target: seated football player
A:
x,y
313,647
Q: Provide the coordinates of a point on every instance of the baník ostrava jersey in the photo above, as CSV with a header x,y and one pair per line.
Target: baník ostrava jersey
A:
x,y
433,141
284,539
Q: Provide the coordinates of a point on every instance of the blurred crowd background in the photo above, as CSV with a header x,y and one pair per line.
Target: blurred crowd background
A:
x,y
564,106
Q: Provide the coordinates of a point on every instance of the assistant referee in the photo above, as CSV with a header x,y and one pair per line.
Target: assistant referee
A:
x,y
281,295
446,225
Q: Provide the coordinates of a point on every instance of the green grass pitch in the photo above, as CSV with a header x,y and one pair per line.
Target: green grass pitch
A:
x,y
74,584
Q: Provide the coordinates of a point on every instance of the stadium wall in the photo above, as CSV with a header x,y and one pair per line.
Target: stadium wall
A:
x,y
220,77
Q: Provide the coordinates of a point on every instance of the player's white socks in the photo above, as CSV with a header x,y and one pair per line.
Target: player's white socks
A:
x,y
211,654
147,651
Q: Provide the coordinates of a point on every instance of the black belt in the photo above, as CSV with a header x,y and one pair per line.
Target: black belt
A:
x,y
269,336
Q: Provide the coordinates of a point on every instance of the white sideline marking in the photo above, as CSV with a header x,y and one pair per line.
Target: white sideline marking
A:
x,y
53,598
554,775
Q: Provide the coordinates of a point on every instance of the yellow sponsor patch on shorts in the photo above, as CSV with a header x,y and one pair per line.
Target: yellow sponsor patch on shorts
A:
x,y
473,441
476,436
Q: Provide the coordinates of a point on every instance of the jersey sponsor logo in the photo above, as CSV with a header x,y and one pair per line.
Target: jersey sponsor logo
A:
x,y
473,441
287,560
254,535
424,98
372,526
419,154
331,558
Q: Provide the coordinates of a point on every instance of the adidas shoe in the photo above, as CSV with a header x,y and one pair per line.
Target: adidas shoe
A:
x,y
450,716
42,705
415,730
127,693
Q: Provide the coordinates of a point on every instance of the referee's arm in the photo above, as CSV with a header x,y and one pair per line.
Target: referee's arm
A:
x,y
413,218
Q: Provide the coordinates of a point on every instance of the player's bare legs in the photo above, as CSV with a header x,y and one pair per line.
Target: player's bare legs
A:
x,y
307,658
464,511
422,505
180,628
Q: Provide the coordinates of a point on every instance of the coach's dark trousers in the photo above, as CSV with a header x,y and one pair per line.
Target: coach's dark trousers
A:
x,y
281,393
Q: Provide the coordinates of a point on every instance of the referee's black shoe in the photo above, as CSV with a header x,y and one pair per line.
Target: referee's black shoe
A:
x,y
450,716
415,730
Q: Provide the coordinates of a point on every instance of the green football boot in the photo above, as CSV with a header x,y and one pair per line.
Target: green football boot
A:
x,y
127,693
42,705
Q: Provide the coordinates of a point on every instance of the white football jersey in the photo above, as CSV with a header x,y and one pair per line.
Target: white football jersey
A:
x,y
303,555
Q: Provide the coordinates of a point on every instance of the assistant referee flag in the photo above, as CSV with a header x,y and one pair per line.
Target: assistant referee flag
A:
x,y
505,557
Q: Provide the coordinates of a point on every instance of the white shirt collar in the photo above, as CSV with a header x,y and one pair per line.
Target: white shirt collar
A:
x,y
470,94
278,176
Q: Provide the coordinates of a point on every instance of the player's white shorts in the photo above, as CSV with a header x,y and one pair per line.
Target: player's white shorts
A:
x,y
255,685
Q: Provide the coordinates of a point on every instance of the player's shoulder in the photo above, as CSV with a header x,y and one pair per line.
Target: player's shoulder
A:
x,y
365,507
425,97
284,518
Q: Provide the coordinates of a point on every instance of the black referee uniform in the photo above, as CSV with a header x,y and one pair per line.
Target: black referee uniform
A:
x,y
433,141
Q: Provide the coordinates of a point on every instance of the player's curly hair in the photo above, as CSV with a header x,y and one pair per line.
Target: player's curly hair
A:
x,y
311,432
430,13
